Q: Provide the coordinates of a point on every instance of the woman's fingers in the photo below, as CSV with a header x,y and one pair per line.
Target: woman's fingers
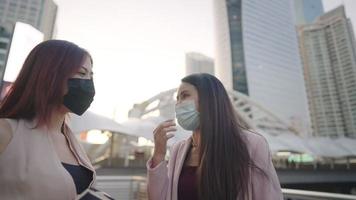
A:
x,y
164,127
170,135
163,134
169,129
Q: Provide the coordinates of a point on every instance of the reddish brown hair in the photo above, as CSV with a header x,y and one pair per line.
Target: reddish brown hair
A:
x,y
40,85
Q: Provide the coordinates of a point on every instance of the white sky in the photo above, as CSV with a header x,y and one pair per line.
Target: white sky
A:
x,y
139,46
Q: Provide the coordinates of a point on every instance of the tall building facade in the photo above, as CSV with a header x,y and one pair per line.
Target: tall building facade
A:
x,y
5,39
307,11
257,54
329,57
198,63
41,14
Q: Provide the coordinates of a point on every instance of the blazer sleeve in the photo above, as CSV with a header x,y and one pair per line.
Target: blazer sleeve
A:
x,y
264,179
159,177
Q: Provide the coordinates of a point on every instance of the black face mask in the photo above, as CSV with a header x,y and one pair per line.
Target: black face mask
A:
x,y
80,94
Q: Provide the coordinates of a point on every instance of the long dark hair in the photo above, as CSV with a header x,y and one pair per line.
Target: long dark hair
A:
x,y
40,85
223,172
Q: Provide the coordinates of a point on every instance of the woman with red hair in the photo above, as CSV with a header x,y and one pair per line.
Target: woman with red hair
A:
x,y
40,158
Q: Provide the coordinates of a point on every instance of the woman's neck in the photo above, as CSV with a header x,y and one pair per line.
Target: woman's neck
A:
x,y
56,122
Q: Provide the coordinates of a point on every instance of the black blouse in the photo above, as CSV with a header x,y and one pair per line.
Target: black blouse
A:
x,y
82,176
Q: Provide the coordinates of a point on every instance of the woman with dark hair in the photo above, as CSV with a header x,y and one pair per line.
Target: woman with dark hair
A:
x,y
220,161
40,158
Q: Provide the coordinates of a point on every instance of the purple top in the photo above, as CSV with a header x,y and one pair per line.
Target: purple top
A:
x,y
187,185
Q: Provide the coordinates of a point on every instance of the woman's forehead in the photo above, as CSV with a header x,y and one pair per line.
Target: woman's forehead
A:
x,y
186,87
87,64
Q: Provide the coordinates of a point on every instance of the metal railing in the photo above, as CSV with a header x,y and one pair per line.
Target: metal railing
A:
x,y
123,187
134,188
290,194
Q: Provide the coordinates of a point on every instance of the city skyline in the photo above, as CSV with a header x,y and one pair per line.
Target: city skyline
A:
x,y
150,37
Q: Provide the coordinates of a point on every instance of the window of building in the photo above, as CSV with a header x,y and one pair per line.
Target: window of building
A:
x,y
2,56
3,45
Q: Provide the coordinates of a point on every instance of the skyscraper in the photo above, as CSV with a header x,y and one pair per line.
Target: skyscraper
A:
x,y
329,56
5,40
198,63
6,32
257,54
41,14
15,45
307,11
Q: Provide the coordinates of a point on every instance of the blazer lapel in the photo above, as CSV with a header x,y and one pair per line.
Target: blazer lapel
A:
x,y
182,152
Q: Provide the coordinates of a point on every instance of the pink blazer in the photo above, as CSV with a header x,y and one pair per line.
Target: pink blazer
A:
x,y
31,169
163,179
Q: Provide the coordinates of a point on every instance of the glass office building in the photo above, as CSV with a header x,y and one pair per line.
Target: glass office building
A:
x,y
257,54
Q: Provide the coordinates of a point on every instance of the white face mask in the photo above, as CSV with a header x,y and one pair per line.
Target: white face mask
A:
x,y
187,115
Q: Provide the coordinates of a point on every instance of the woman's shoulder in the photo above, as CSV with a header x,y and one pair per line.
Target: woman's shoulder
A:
x,y
179,146
176,146
5,133
257,144
258,148
254,138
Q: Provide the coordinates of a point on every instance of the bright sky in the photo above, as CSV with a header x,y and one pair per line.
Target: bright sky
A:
x,y
139,46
